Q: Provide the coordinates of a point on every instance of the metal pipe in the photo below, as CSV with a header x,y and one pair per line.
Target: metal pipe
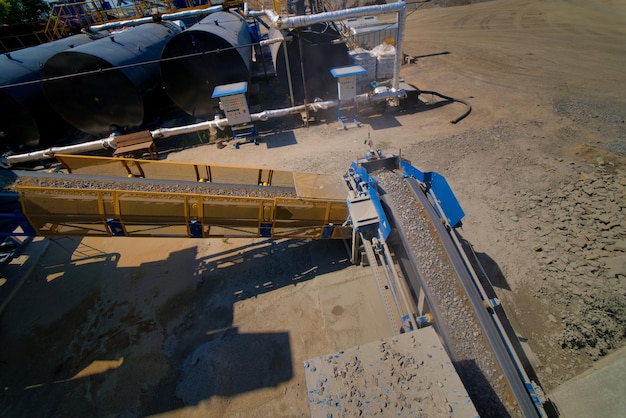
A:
x,y
315,106
289,82
302,67
274,40
223,122
399,56
306,20
269,13
162,133
152,19
8,161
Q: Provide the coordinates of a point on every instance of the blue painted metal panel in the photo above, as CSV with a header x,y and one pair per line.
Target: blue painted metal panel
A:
x,y
230,89
446,199
195,229
346,71
372,186
441,191
411,171
115,226
384,226
265,230
327,232
535,398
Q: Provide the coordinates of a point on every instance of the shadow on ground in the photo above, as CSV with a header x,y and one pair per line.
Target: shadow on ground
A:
x,y
89,337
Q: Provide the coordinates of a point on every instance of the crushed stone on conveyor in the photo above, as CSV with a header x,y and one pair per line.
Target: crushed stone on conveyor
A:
x,y
67,182
473,359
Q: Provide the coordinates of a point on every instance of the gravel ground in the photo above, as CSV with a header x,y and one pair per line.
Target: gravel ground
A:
x,y
405,375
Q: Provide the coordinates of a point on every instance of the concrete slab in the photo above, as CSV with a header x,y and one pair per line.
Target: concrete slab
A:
x,y
598,392
409,374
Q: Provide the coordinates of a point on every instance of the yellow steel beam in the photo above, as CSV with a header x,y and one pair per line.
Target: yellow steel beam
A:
x,y
82,212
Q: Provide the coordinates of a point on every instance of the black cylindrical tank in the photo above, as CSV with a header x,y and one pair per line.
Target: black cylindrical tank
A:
x,y
112,83
27,121
318,56
212,52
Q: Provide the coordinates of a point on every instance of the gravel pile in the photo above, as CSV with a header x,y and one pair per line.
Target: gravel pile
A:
x,y
474,360
406,375
581,246
67,182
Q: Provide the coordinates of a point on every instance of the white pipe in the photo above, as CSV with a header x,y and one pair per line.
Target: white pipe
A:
x,y
180,130
161,133
399,55
383,95
299,21
306,20
274,40
104,143
223,123
167,16
271,15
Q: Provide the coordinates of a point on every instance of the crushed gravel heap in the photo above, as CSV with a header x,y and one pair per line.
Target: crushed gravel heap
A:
x,y
405,375
581,247
473,359
155,187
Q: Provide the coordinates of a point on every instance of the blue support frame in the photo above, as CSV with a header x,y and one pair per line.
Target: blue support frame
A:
x,y
265,230
115,226
195,229
372,192
441,192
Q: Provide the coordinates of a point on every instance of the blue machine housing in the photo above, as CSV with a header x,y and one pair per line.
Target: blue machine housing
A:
x,y
364,185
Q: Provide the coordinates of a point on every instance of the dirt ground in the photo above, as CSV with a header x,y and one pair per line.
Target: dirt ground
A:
x,y
136,327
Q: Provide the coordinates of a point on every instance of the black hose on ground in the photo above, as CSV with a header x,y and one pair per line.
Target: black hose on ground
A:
x,y
452,99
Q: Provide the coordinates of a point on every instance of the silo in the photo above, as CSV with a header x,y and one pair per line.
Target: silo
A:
x,y
112,83
28,122
217,50
317,57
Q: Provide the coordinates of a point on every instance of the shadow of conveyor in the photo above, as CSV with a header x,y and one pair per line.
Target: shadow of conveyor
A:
x,y
492,277
85,330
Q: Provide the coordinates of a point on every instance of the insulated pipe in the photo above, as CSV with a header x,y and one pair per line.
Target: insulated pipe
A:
x,y
399,56
269,13
162,133
155,19
306,20
104,143
223,122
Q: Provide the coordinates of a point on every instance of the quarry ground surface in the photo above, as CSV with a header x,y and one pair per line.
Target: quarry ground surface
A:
x,y
132,327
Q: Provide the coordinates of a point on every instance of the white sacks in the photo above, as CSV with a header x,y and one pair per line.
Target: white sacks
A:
x,y
385,60
379,64
366,60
